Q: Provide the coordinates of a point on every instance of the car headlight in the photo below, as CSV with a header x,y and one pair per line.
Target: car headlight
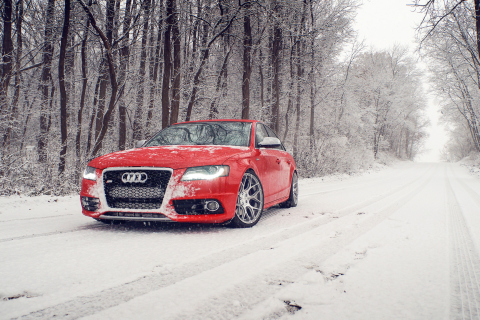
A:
x,y
89,173
205,173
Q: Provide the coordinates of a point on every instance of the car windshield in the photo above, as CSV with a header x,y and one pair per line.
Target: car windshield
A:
x,y
224,133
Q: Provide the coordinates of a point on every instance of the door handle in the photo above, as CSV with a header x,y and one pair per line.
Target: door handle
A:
x,y
278,161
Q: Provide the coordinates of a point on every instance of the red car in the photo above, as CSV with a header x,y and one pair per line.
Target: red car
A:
x,y
213,171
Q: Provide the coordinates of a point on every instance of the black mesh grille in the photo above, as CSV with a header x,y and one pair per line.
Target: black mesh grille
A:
x,y
135,195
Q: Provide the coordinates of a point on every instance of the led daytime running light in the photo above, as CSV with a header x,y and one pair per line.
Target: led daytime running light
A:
x,y
205,173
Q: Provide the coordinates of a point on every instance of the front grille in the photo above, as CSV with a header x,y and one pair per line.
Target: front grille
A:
x,y
146,194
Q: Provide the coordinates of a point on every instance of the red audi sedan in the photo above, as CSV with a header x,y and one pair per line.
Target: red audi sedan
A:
x,y
212,171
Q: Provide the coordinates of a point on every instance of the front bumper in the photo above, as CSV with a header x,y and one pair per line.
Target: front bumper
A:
x,y
177,191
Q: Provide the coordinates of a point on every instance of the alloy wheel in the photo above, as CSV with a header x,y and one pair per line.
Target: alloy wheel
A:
x,y
250,199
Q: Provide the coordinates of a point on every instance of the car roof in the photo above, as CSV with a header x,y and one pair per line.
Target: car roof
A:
x,y
220,120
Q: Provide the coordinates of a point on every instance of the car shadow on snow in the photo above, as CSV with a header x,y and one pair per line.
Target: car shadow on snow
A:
x,y
168,227
177,227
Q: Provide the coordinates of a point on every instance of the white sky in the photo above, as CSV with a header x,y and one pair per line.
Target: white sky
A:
x,y
384,23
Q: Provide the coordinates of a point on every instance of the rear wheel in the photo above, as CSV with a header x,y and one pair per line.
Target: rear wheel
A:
x,y
293,199
249,202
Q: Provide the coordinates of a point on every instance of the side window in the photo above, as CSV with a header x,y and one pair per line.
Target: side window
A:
x,y
260,133
272,134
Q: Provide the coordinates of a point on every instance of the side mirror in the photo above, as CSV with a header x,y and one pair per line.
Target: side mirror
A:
x,y
139,143
270,142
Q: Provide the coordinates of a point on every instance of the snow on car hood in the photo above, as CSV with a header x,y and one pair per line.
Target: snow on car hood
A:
x,y
174,157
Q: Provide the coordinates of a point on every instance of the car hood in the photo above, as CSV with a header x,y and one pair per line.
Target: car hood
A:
x,y
174,157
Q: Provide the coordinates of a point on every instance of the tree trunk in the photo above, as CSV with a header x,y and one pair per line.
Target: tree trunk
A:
x,y
167,66
137,120
213,106
312,83
104,72
298,100
92,117
70,83
124,58
156,71
153,70
407,143
109,20
63,92
176,67
247,63
102,95
78,137
290,89
113,80
477,23
262,84
16,95
276,52
45,81
204,57
7,54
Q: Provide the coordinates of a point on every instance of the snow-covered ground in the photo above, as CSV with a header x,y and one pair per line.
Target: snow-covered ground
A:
x,y
400,243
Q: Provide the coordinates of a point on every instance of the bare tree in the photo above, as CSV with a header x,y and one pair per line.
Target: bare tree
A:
x,y
63,92
45,82
12,118
84,66
176,66
155,71
447,38
113,78
220,27
167,64
7,54
138,121
247,63
276,61
124,59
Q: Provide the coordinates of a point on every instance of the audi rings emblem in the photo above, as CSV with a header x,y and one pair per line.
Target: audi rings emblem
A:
x,y
134,177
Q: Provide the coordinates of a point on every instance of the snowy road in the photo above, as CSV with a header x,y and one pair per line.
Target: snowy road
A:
x,y
401,243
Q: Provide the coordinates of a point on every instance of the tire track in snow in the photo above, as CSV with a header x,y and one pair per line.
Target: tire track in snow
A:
x,y
89,305
380,197
465,265
245,302
38,218
257,278
475,196
36,235
353,186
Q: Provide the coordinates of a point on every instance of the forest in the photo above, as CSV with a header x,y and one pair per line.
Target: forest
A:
x,y
81,78
450,40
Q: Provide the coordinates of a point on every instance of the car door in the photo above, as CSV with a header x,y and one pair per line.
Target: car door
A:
x,y
269,165
282,172
264,162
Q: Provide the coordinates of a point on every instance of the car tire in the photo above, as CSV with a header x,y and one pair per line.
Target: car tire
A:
x,y
250,202
293,198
